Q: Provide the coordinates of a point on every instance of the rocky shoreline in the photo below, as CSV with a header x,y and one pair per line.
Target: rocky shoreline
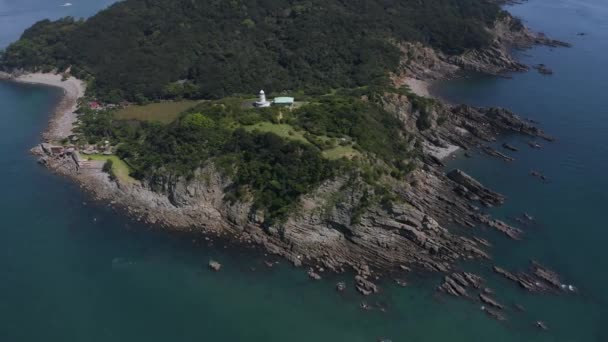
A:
x,y
417,232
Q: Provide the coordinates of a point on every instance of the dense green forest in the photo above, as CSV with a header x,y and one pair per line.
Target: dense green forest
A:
x,y
149,49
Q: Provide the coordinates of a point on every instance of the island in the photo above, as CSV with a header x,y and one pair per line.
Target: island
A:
x,y
336,166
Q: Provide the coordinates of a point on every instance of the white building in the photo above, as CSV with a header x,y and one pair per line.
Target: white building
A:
x,y
262,102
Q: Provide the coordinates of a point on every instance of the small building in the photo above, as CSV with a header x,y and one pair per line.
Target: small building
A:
x,y
94,105
262,102
283,101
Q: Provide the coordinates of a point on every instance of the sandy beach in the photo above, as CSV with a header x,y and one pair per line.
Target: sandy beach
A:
x,y
419,87
62,121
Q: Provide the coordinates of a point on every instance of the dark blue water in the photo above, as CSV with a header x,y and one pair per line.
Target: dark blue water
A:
x,y
74,270
17,15
571,105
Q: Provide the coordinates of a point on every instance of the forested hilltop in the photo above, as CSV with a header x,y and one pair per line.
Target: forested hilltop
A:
x,y
139,49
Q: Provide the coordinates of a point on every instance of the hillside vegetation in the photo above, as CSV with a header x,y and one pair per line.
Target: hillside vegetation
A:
x,y
272,155
142,50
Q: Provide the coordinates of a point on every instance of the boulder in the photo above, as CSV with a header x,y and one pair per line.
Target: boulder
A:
x,y
214,265
313,275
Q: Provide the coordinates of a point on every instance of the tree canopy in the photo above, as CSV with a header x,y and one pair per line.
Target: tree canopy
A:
x,y
146,49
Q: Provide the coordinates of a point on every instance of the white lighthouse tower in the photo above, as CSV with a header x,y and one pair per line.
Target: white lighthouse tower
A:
x,y
261,102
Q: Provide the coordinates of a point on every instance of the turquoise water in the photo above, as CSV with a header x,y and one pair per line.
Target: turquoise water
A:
x,y
74,270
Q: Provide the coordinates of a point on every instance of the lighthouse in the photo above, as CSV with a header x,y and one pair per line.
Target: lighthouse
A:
x,y
261,102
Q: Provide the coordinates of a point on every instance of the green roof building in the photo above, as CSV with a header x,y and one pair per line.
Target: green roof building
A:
x,y
283,101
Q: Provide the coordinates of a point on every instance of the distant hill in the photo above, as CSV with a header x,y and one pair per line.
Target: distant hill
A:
x,y
140,49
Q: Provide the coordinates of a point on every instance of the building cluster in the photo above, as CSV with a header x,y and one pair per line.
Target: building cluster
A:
x,y
282,101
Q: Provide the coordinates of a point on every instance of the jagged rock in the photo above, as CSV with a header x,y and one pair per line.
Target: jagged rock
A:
x,y
341,286
456,284
546,274
214,265
364,286
510,231
460,279
482,241
504,273
541,325
475,280
470,184
404,268
450,286
401,282
493,314
539,175
490,301
492,152
364,270
540,279
543,69
313,275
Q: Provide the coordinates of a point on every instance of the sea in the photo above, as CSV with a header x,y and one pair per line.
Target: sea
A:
x,y
72,269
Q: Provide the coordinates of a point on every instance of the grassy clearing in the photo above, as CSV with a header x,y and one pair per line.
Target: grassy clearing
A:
x,y
288,132
339,152
283,130
120,168
164,112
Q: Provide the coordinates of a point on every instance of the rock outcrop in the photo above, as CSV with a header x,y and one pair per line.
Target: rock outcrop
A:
x,y
456,284
423,63
539,279
473,190
364,286
214,265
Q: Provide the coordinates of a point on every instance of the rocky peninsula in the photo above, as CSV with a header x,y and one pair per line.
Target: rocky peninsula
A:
x,y
431,224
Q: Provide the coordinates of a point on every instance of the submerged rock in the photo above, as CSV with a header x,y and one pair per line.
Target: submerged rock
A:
x,y
543,69
313,275
538,279
214,265
492,152
493,314
490,301
401,282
